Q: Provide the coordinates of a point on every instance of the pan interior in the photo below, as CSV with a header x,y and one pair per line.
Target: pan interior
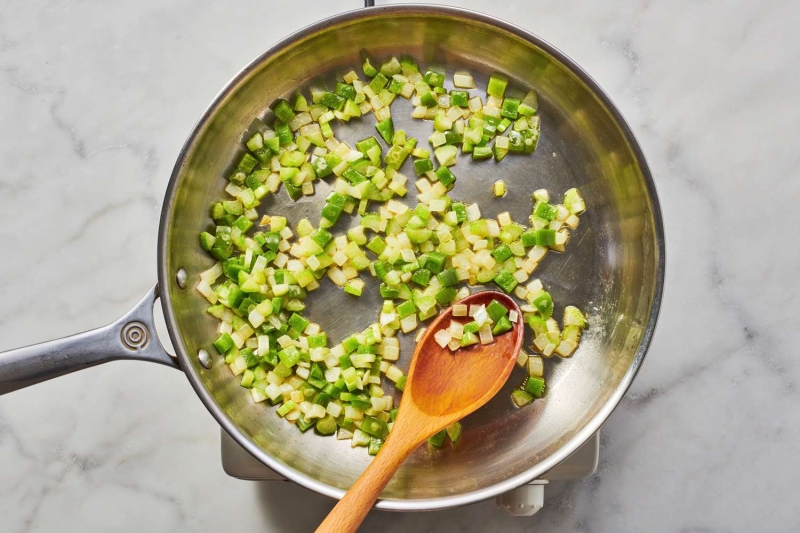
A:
x,y
611,267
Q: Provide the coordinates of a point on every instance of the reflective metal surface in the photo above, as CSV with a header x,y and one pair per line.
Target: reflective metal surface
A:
x,y
236,462
613,266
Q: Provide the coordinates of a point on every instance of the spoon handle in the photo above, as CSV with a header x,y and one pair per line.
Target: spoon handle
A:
x,y
357,502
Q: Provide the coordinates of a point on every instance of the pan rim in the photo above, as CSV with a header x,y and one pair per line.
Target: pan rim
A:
x,y
566,448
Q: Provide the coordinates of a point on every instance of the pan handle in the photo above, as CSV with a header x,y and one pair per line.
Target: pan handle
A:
x,y
369,3
131,337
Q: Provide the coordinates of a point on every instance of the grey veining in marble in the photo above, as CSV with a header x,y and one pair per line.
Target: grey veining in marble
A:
x,y
96,99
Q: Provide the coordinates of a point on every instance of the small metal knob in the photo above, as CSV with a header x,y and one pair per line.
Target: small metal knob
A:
x,y
181,278
205,359
526,500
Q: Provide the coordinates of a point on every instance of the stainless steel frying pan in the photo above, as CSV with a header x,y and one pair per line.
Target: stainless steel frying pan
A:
x,y
613,266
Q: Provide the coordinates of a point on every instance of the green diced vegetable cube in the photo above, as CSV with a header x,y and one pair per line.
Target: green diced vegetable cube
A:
x,y
421,166
322,398
243,223
332,100
274,144
406,309
505,280
300,102
496,310
250,357
369,70
521,398
396,157
528,238
418,235
388,292
459,98
321,168
322,237
452,137
503,325
545,210
381,269
255,143
445,176
207,241
354,176
460,210
375,427
345,90
223,343
284,133
537,324
468,339
378,82
409,66
350,344
289,356
471,327
246,164
303,424
421,276
501,253
445,295
434,79
545,237
298,322
375,445
454,432
428,99
515,141
438,439
448,277
318,341
482,153
510,108
543,302
396,86
351,288
364,145
326,425
272,241
386,129
535,386
574,317
252,180
435,262
530,139
286,408
316,371
376,245
293,191
479,227
283,111
497,85
235,297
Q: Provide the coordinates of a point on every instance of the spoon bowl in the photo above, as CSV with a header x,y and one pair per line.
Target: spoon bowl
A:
x,y
442,387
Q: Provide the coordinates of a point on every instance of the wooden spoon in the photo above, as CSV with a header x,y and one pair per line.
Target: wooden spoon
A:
x,y
442,387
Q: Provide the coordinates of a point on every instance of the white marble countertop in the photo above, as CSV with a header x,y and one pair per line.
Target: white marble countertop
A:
x,y
95,102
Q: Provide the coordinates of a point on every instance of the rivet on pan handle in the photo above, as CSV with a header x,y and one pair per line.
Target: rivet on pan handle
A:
x,y
131,337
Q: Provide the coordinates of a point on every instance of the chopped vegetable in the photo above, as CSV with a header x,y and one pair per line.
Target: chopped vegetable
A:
x,y
423,257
